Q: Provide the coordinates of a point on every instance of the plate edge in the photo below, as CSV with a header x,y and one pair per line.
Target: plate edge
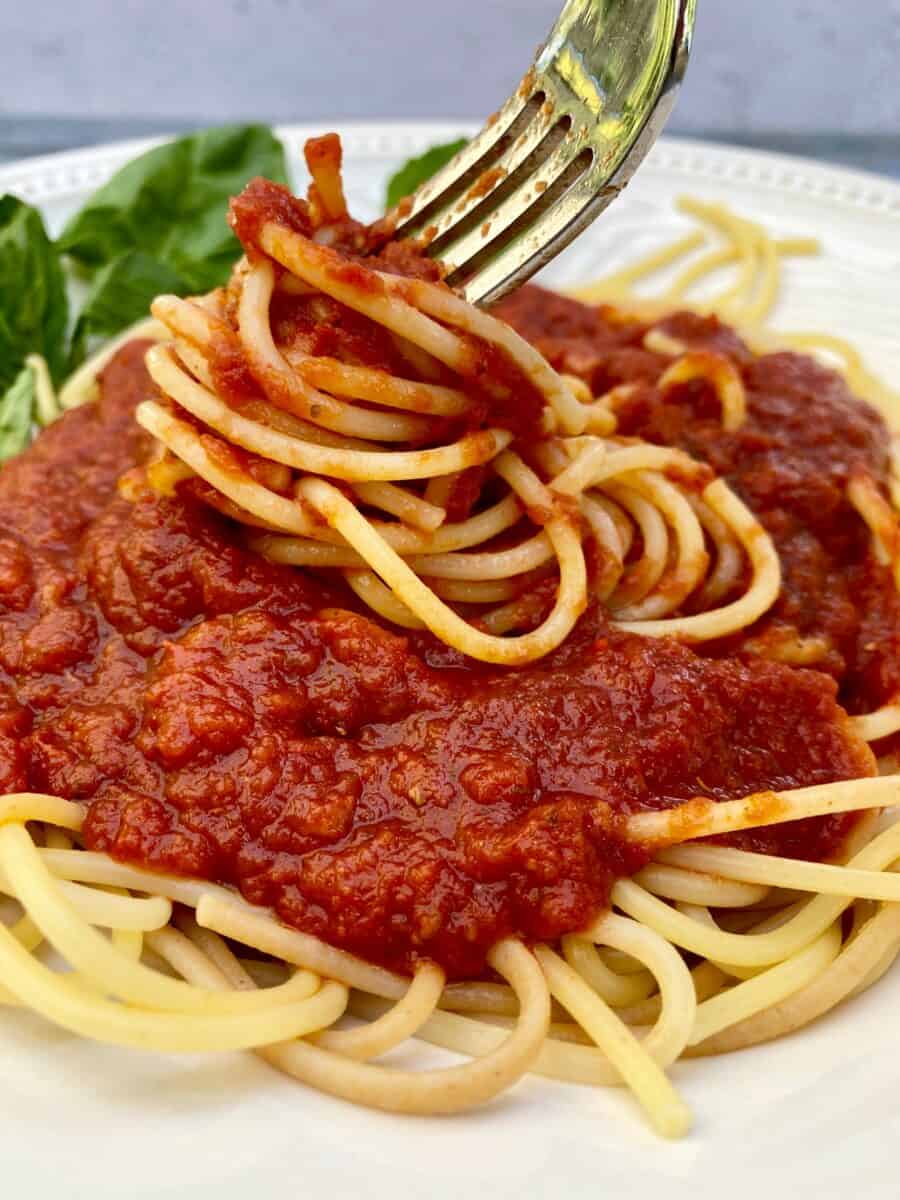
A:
x,y
54,176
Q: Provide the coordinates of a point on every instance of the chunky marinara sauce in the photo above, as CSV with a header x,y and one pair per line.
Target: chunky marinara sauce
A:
x,y
233,720
804,437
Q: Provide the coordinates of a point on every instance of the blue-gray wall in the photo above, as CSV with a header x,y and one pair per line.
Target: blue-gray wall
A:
x,y
773,65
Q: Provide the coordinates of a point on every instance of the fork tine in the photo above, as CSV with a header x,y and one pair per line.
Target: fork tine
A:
x,y
539,187
500,138
536,237
456,216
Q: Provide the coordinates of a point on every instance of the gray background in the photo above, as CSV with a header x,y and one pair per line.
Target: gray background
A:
x,y
772,71
758,64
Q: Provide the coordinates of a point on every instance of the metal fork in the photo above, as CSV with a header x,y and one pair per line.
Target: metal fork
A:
x,y
560,149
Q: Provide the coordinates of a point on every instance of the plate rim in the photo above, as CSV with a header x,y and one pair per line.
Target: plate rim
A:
x,y
51,177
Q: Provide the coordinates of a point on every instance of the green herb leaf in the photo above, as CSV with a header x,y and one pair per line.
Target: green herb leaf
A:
x,y
417,170
171,204
120,295
34,310
16,409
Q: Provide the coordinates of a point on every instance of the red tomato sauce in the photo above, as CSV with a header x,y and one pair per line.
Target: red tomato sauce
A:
x,y
804,436
501,394
233,720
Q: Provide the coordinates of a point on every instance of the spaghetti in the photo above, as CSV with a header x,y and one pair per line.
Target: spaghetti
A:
x,y
192,698
642,483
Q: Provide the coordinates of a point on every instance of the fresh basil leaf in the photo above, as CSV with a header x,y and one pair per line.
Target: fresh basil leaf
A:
x,y
120,295
34,310
171,203
16,414
417,170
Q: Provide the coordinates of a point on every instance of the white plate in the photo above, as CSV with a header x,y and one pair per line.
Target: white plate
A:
x,y
818,1111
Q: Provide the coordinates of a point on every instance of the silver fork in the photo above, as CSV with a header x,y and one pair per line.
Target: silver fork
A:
x,y
560,149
